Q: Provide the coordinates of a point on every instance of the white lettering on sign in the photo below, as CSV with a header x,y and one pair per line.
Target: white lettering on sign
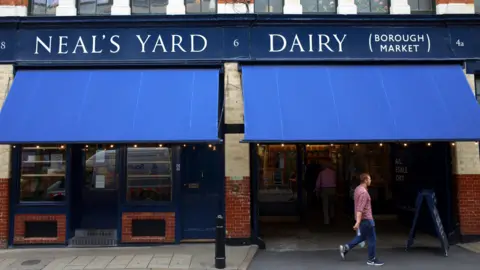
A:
x,y
307,43
399,43
100,44
400,170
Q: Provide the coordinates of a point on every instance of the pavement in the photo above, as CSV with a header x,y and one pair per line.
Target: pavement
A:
x,y
185,256
394,258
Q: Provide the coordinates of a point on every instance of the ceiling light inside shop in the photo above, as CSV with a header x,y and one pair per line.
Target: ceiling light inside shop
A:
x,y
381,144
405,144
429,144
453,144
135,145
111,146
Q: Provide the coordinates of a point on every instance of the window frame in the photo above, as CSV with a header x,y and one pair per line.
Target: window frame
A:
x,y
317,12
30,10
16,174
77,6
124,164
420,12
389,5
256,12
149,9
200,13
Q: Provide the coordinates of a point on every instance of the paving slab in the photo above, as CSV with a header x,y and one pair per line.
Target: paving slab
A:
x,y
99,262
120,262
140,261
181,261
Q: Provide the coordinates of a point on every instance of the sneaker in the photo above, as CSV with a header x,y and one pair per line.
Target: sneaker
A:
x,y
343,251
375,262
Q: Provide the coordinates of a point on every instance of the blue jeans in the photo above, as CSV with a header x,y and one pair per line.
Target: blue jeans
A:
x,y
367,233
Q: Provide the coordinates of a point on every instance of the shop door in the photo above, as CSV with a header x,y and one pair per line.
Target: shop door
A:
x,y
201,185
99,191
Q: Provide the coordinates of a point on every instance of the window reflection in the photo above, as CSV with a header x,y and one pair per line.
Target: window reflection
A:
x,y
277,173
149,173
372,6
201,6
319,6
149,6
42,175
268,6
43,7
421,6
94,7
100,167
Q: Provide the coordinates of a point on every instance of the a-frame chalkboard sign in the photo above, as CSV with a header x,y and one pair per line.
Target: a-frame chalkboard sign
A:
x,y
429,197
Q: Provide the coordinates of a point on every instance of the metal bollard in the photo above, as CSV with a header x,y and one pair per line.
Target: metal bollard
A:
x,y
220,260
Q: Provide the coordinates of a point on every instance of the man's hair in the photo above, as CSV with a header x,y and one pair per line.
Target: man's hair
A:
x,y
364,177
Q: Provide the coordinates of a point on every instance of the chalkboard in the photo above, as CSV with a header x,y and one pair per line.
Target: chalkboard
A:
x,y
429,197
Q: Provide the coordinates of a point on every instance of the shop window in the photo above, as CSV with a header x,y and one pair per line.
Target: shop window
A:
x,y
43,7
201,6
422,6
94,7
100,166
477,6
319,6
149,174
477,88
43,175
277,173
149,6
372,6
268,6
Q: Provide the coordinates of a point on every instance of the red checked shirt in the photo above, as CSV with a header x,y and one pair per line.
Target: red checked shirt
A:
x,y
363,203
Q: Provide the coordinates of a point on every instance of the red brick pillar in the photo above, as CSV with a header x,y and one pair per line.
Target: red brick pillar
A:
x,y
14,7
466,161
4,210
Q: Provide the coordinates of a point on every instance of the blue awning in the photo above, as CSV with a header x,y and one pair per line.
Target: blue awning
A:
x,y
79,106
359,103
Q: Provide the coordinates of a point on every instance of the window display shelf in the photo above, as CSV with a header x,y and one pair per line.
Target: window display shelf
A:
x,y
149,175
148,162
43,175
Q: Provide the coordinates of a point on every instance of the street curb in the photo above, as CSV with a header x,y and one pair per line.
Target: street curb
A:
x,y
249,258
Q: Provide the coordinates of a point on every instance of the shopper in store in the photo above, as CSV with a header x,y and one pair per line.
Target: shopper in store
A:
x,y
325,188
363,221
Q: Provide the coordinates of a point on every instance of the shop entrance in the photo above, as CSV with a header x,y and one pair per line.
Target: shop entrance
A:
x,y
201,185
95,192
298,212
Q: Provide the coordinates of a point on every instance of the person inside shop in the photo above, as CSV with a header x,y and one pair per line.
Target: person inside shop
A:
x,y
293,185
325,189
311,172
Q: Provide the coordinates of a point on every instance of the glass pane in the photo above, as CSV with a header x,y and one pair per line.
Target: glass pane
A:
x,y
425,5
149,6
414,5
94,7
43,173
43,7
477,6
318,6
372,6
268,6
100,167
277,173
201,6
149,174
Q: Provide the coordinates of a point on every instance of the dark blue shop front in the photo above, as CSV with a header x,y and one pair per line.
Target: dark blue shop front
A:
x,y
135,153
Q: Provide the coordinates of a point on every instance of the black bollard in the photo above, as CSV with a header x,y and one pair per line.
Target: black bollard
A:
x,y
220,260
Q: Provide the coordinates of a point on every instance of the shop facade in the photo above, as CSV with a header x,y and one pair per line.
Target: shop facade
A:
x,y
135,131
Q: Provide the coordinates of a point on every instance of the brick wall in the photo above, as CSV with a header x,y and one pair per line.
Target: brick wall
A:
x,y
468,187
237,205
127,227
19,229
4,218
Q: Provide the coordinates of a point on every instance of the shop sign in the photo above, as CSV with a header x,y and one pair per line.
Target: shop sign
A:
x,y
7,45
247,44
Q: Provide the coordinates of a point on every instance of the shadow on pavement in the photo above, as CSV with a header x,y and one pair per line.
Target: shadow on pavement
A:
x,y
396,258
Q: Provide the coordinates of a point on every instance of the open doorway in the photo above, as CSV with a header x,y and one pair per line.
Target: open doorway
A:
x,y
293,215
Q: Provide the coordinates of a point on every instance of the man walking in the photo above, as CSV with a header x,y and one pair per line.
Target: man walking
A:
x,y
364,222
